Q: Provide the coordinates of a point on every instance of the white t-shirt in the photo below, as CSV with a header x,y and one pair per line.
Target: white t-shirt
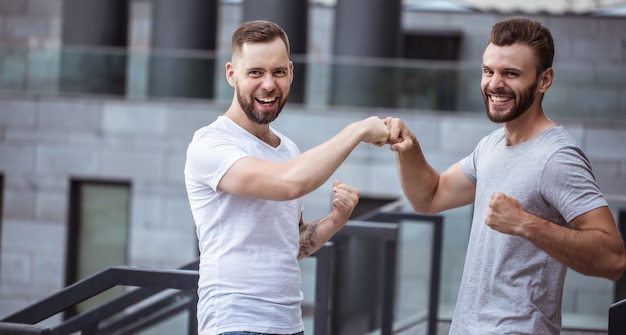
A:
x,y
249,271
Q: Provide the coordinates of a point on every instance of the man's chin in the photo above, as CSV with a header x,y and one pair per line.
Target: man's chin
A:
x,y
498,116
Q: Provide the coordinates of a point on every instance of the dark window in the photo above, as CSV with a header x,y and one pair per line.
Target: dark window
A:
x,y
432,45
431,87
97,232
89,25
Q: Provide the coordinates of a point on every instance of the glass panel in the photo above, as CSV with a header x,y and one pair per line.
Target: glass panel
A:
x,y
102,233
89,72
308,267
415,240
421,85
586,300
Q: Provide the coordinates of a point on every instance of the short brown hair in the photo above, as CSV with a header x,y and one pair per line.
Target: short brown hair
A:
x,y
258,31
529,32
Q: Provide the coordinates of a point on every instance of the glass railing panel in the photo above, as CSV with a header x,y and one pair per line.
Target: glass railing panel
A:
x,y
14,69
414,254
586,299
307,269
181,75
423,86
88,71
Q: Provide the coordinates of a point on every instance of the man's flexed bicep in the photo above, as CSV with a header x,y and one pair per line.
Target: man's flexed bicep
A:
x,y
262,179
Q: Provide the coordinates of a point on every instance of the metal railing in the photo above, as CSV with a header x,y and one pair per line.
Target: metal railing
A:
x,y
617,318
162,294
388,234
109,318
392,214
156,304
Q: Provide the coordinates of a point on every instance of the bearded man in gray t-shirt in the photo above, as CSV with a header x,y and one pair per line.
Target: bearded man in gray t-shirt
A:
x,y
537,207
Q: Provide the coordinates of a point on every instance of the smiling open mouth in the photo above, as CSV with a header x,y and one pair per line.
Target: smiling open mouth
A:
x,y
499,99
266,101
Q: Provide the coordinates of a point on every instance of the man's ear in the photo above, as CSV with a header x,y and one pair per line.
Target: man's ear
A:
x,y
230,74
545,80
290,72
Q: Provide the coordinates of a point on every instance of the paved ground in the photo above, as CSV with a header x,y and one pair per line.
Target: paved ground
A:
x,y
443,327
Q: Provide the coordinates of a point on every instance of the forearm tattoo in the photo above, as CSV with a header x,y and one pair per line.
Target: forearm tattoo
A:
x,y
307,238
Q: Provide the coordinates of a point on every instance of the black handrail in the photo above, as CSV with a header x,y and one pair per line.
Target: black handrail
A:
x,y
151,282
100,282
396,216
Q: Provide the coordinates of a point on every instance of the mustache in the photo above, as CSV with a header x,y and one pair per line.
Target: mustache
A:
x,y
501,91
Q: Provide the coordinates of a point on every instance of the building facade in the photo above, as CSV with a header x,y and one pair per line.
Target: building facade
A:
x,y
96,121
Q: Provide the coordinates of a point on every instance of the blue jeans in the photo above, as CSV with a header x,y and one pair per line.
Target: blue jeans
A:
x,y
253,333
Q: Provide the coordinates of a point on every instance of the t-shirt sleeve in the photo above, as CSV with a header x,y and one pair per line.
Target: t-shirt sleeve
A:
x,y
468,165
209,157
469,162
569,185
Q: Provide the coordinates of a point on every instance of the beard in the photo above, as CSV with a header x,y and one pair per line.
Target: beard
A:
x,y
526,99
259,117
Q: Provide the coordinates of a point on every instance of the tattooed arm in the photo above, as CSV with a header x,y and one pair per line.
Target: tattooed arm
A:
x,y
314,234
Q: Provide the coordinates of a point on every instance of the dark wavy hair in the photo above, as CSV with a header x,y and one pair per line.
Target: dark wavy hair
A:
x,y
258,31
529,32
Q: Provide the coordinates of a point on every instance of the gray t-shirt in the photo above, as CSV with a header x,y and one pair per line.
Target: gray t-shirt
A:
x,y
510,286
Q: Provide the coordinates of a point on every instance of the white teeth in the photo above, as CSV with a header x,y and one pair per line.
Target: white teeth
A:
x,y
266,100
499,99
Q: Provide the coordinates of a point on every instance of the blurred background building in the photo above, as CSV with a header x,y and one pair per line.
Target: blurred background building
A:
x,y
99,99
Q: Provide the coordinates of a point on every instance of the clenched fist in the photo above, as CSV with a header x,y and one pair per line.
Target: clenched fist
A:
x,y
506,214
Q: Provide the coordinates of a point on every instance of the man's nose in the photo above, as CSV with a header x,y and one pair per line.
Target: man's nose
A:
x,y
496,81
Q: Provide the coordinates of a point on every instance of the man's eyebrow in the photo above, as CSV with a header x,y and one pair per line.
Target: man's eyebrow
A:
x,y
254,68
505,69
257,68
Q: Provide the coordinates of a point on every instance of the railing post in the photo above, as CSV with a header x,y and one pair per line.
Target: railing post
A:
x,y
435,275
322,316
389,286
617,318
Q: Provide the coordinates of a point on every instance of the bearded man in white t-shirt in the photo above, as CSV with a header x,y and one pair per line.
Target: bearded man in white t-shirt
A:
x,y
245,182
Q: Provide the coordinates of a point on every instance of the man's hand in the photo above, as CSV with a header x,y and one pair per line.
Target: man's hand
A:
x,y
376,131
400,137
345,199
314,234
505,215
